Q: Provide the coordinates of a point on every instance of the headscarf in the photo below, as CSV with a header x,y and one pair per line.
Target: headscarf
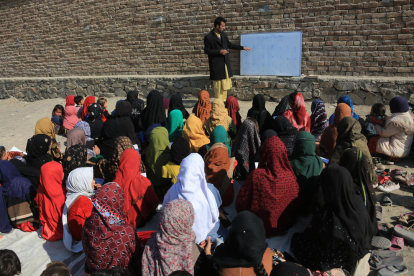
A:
x,y
202,108
79,184
319,121
88,101
192,186
399,105
245,146
175,124
75,157
176,102
37,150
7,173
70,100
233,109
297,115
108,167
218,135
347,100
330,135
271,191
169,249
132,96
50,199
70,119
349,135
282,107
358,166
180,149
110,132
219,116
266,135
45,126
344,216
154,113
286,132
86,129
123,120
166,103
306,165
259,112
107,239
218,166
137,105
194,133
116,106
95,120
140,198
245,243
76,136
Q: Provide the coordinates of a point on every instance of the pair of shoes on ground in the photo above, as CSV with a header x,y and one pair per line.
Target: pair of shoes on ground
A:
x,y
388,186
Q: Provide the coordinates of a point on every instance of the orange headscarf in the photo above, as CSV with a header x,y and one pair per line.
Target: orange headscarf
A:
x,y
202,108
194,133
219,116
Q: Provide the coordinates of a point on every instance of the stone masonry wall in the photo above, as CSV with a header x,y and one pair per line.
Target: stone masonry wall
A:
x,y
136,37
329,89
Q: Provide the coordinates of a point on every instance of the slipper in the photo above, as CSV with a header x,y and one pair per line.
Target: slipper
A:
x,y
392,270
405,232
376,262
397,243
380,242
384,254
386,200
378,212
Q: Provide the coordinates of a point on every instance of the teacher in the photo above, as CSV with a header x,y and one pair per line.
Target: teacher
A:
x,y
216,46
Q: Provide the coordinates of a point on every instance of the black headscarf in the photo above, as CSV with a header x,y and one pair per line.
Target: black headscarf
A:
x,y
176,102
123,120
154,113
107,141
289,269
75,157
343,216
95,120
37,150
132,96
357,164
180,149
260,114
282,106
245,244
286,132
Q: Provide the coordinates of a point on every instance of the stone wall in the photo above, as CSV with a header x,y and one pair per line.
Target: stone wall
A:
x,y
45,38
329,89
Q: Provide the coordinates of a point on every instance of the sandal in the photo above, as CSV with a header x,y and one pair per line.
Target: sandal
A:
x,y
376,262
397,243
392,270
386,200
384,254
380,242
378,212
405,232
406,219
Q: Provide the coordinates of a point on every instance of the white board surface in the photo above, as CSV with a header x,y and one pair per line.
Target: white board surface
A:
x,y
272,54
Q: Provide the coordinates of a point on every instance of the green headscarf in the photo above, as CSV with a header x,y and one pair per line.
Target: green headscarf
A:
x,y
175,124
305,163
218,135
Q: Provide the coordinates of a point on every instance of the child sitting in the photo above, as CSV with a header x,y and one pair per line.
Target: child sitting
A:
x,y
3,153
9,263
376,117
57,118
103,103
56,269
70,119
79,104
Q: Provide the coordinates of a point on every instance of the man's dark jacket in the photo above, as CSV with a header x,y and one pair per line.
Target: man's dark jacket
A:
x,y
212,47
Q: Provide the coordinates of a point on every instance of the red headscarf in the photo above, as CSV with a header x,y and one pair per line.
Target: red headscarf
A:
x,y
50,199
202,108
70,100
140,197
271,191
233,108
88,101
297,115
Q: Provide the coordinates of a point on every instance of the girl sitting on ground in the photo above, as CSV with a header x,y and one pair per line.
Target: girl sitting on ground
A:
x,y
57,118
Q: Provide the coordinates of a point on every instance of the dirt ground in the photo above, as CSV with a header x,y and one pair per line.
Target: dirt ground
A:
x,y
18,120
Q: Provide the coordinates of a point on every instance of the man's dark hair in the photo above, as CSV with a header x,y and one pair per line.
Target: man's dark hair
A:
x,y
56,269
379,109
9,263
116,271
219,20
78,99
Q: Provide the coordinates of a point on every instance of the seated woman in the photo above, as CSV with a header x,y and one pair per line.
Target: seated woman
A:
x,y
233,108
245,146
37,149
154,112
95,121
124,122
282,107
396,137
329,136
175,125
319,119
106,142
192,186
219,135
88,101
179,150
78,207
45,126
341,231
194,133
76,136
286,132
107,238
140,197
271,191
259,113
90,142
202,108
348,101
50,199
176,102
297,114
219,116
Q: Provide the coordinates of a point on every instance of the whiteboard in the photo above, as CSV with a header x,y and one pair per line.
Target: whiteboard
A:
x,y
272,54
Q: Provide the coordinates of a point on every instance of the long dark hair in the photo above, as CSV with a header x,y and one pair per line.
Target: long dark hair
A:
x,y
58,107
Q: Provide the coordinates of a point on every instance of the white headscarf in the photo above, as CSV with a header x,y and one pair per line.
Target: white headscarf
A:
x,y
192,186
79,183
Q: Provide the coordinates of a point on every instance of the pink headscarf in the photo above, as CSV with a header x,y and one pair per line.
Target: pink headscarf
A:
x,y
71,117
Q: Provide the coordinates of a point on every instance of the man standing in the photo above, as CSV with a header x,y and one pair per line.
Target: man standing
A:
x,y
216,46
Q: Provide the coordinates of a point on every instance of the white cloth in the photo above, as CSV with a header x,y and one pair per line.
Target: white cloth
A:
x,y
79,183
192,186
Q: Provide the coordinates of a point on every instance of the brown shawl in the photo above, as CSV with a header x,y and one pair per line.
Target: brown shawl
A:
x,y
202,108
219,116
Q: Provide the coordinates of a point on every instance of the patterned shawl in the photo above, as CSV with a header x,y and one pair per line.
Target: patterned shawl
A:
x,y
75,157
319,120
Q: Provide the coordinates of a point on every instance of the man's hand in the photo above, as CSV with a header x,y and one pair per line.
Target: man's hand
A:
x,y
247,49
224,52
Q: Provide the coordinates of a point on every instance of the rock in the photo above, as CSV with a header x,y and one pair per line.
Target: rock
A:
x,y
305,87
165,94
52,90
282,85
343,85
411,100
21,95
89,91
371,98
177,85
293,86
316,93
410,88
307,95
356,98
329,95
388,93
278,94
366,86
262,84
118,85
108,95
71,86
79,90
119,92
